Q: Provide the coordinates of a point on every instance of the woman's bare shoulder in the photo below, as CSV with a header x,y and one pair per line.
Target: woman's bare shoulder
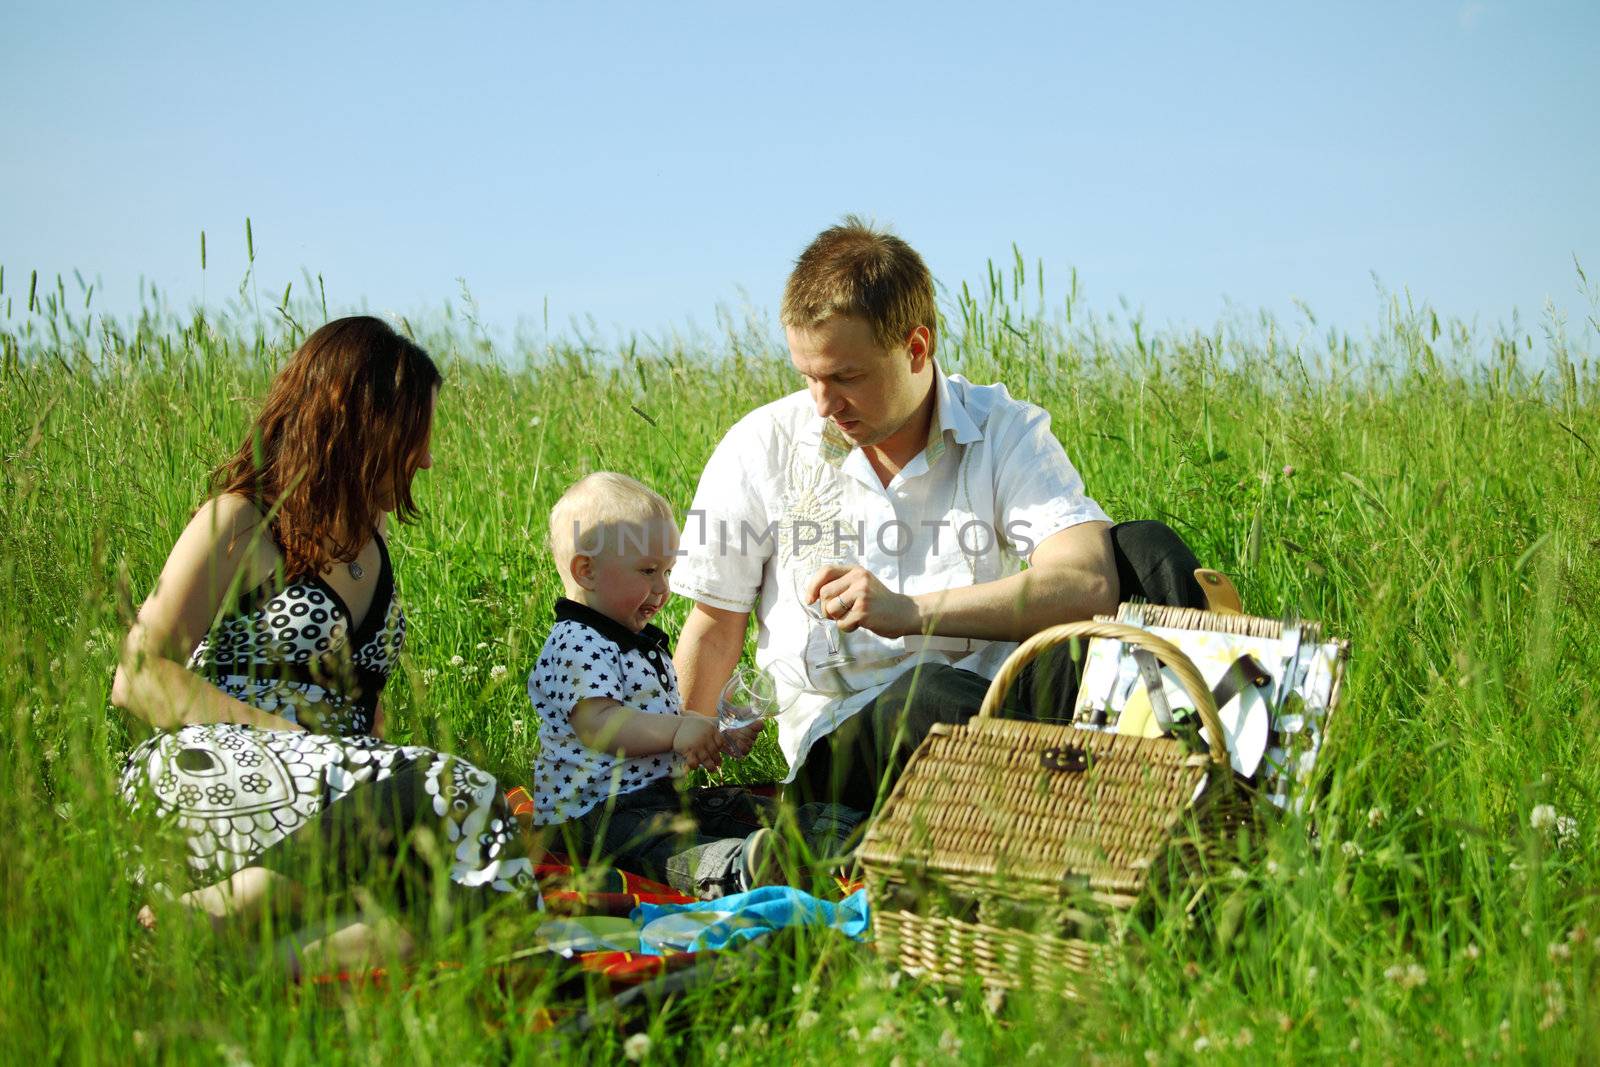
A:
x,y
233,528
229,515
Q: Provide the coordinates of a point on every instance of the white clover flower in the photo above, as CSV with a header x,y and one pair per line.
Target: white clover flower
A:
x,y
807,1020
536,420
1543,817
55,665
1407,976
1566,830
457,660
637,1047
1312,973
482,645
1375,817
497,672
1352,849
949,1043
1202,1043
1273,868
516,727
1245,1038
429,674
1472,951
882,1033
1559,951
994,999
1355,1044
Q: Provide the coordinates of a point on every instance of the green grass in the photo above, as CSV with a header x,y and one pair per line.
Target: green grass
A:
x,y
1431,491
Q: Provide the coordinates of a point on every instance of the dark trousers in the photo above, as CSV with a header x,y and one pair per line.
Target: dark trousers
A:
x,y
858,763
667,834
691,838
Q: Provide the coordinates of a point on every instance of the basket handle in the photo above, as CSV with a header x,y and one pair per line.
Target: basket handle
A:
x,y
1167,652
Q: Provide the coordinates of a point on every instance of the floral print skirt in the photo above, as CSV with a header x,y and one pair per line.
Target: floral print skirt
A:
x,y
241,796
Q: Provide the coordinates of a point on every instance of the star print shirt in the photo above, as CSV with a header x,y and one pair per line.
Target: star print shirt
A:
x,y
590,655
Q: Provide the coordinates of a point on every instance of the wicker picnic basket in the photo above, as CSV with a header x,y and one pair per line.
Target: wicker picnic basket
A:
x,y
1010,851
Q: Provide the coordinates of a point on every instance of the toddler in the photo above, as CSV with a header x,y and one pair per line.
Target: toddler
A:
x,y
612,724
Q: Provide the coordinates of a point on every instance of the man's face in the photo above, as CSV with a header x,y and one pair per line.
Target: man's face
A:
x,y
867,392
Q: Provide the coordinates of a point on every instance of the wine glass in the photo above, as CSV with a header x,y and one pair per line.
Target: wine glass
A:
x,y
751,696
836,655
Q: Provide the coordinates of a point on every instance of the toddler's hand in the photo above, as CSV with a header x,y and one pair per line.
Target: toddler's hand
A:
x,y
698,742
738,743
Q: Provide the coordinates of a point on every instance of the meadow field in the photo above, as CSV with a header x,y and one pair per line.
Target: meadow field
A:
x,y
1429,488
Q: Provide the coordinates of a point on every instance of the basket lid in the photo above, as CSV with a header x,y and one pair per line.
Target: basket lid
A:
x,y
1014,800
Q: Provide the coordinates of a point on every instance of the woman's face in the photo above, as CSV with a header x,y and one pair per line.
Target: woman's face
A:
x,y
425,460
422,459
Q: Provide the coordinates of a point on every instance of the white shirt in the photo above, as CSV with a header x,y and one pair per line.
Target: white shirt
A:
x,y
992,483
590,655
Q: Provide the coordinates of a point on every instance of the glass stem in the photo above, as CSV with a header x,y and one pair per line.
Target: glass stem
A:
x,y
830,630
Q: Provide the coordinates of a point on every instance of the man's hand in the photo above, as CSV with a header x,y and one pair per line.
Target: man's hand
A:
x,y
697,741
855,599
738,743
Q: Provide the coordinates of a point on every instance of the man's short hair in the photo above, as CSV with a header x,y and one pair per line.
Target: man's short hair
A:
x,y
855,268
602,512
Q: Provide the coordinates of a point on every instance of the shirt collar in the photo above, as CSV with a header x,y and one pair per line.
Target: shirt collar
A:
x,y
949,416
650,639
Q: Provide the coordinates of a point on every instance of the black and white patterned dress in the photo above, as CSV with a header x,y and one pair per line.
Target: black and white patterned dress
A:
x,y
238,793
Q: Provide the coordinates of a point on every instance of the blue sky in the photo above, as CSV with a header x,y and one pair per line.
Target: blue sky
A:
x,y
642,164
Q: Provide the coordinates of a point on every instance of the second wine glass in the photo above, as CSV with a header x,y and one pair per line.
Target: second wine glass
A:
x,y
752,695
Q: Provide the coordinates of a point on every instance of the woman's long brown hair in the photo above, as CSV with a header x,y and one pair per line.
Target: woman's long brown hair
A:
x,y
337,441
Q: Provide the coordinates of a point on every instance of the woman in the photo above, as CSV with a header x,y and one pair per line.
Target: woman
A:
x,y
260,656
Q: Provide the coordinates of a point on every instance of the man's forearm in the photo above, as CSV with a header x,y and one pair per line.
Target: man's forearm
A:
x,y
708,650
1015,608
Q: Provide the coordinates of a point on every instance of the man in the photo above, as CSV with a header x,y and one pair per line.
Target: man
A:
x,y
936,491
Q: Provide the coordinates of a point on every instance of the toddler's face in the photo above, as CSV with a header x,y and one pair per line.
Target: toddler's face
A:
x,y
630,578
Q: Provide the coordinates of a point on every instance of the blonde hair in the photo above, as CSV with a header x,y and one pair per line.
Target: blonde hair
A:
x,y
603,511
857,269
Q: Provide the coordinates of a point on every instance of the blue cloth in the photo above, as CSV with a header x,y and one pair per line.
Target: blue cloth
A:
x,y
715,924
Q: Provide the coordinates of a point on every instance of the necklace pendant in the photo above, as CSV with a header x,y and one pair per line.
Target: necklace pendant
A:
x,y
356,570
